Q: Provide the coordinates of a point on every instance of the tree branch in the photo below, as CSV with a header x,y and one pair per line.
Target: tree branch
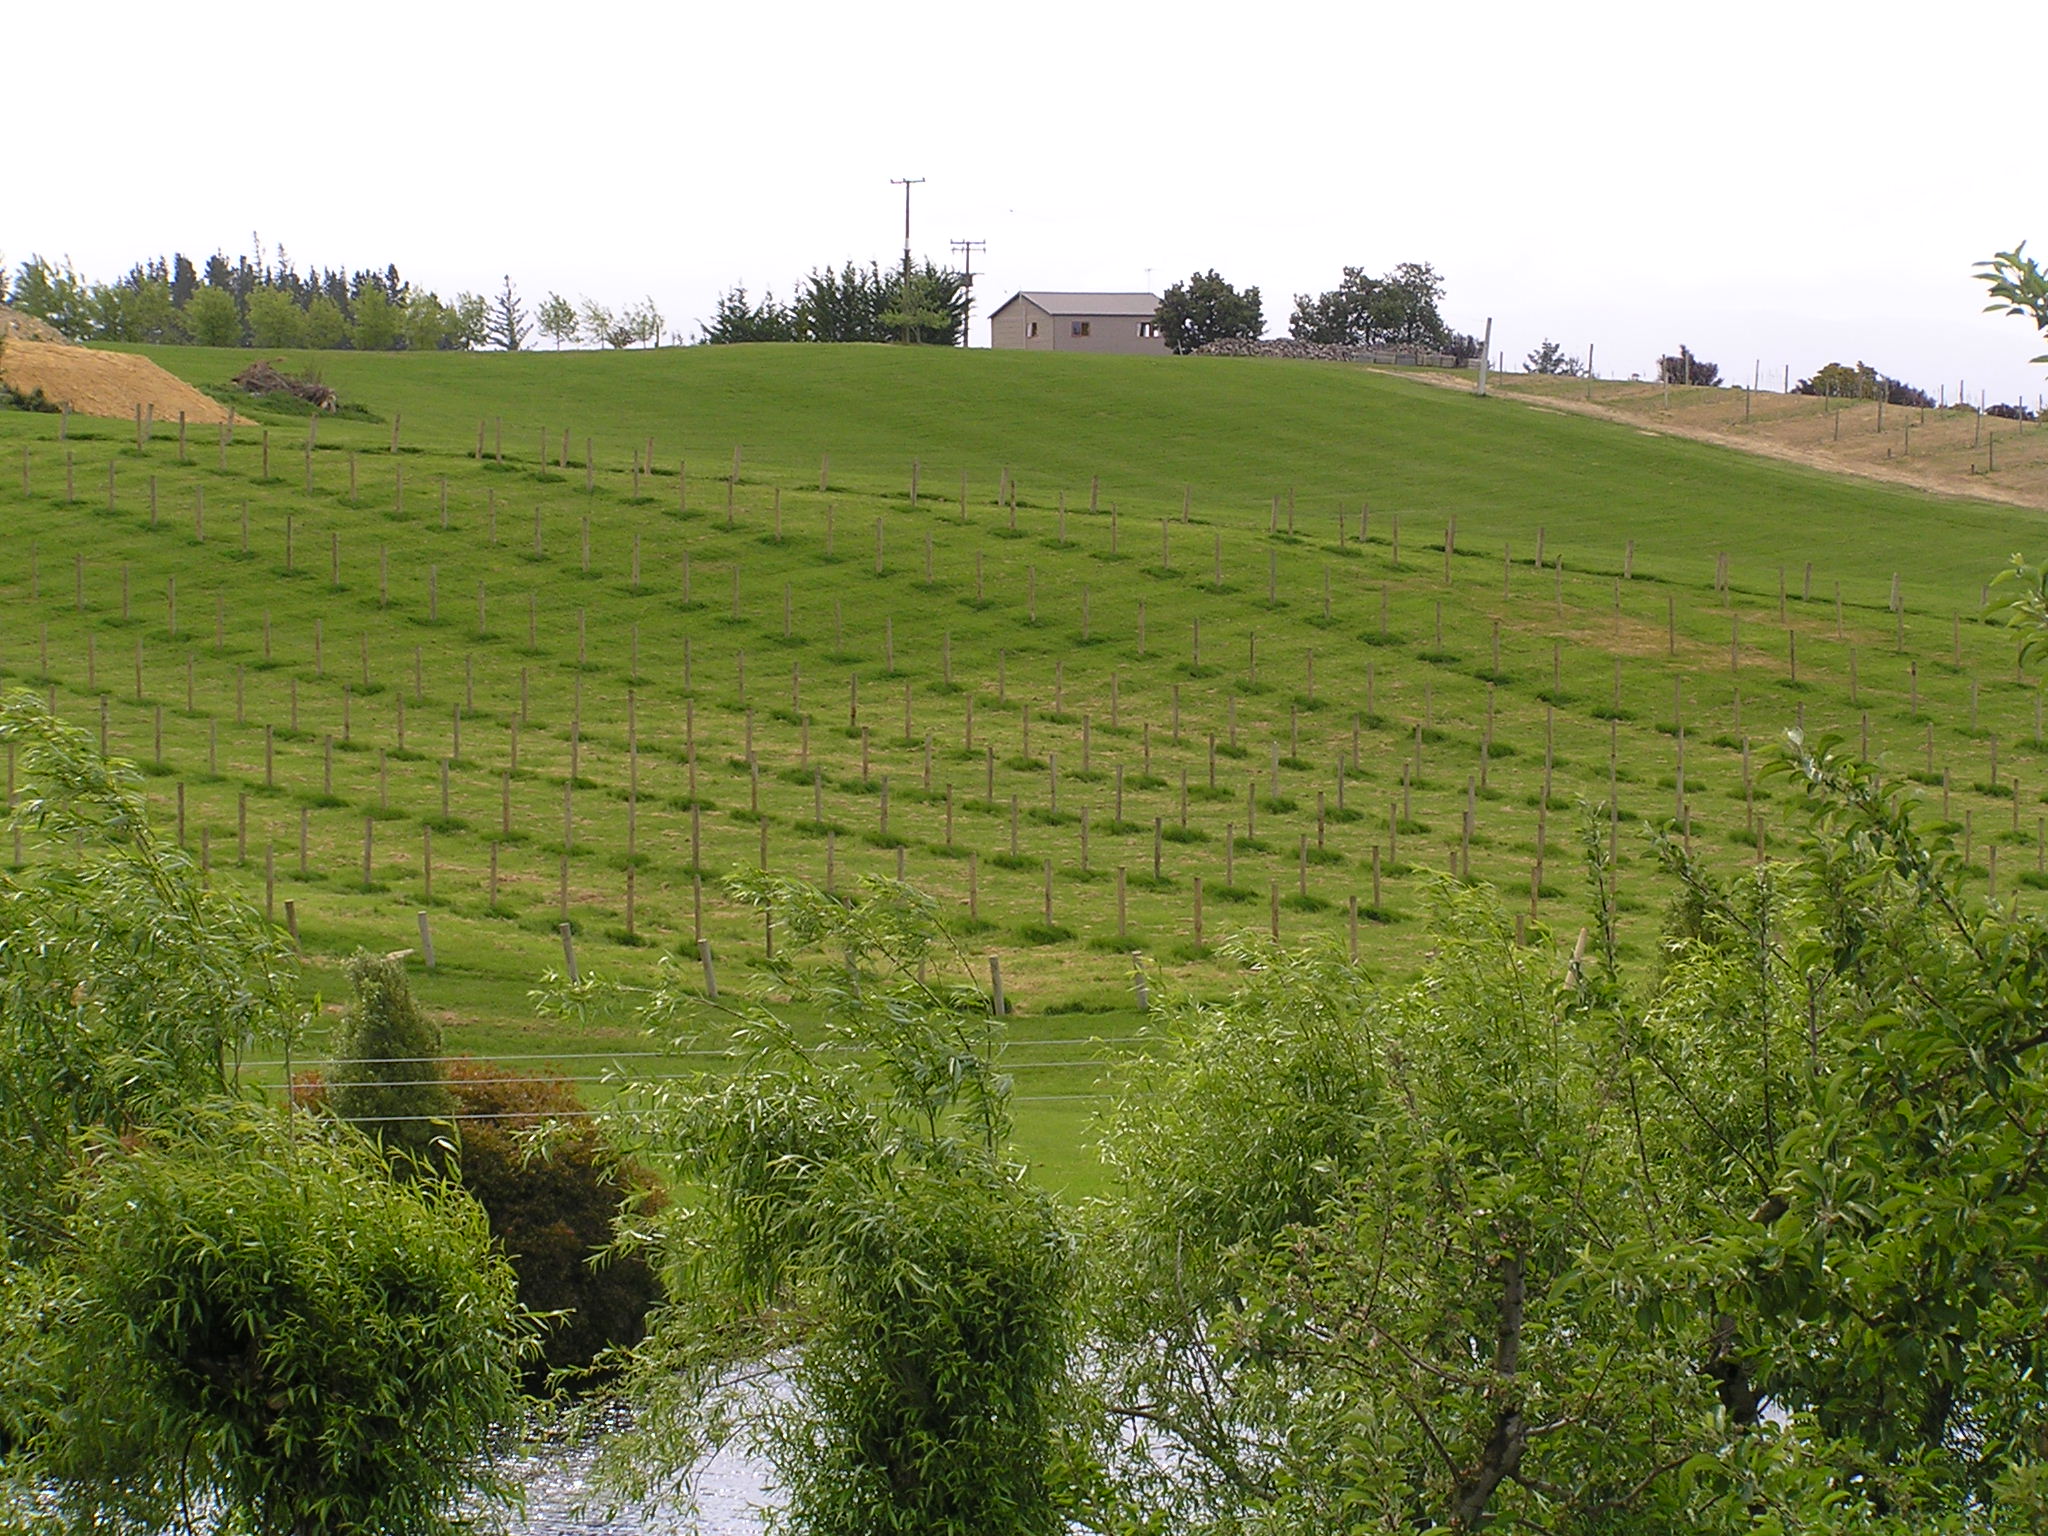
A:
x,y
1502,1456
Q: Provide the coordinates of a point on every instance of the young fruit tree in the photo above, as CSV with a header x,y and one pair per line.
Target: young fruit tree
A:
x,y
595,323
1550,358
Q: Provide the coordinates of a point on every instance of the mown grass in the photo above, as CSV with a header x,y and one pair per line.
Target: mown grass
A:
x,y
1321,703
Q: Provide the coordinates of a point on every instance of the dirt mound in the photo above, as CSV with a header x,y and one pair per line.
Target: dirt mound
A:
x,y
103,383
16,325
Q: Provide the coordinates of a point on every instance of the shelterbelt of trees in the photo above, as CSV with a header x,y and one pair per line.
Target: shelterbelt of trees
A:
x,y
261,300
265,301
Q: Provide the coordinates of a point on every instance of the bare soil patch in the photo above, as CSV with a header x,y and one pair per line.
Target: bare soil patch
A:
x,y
97,383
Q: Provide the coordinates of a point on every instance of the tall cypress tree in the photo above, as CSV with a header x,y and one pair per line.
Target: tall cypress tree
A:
x,y
389,1076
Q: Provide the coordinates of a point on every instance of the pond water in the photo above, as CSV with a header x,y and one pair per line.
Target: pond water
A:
x,y
731,1489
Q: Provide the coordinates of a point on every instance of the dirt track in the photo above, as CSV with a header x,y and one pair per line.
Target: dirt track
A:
x,y
97,383
1946,452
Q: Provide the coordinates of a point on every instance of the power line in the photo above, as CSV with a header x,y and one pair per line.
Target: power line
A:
x,y
906,183
967,248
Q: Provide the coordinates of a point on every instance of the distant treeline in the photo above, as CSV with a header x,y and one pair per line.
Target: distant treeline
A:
x,y
926,304
261,301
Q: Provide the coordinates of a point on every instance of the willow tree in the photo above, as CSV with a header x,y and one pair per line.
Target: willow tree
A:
x,y
207,1305
249,1316
126,987
849,1224
1748,1238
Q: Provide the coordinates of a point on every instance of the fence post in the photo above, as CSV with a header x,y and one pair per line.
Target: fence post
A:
x,y
710,974
426,942
569,952
995,986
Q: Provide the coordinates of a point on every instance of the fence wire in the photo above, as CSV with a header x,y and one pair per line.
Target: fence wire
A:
x,y
629,1081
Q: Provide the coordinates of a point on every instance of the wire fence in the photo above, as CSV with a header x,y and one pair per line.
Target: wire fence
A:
x,y
292,1073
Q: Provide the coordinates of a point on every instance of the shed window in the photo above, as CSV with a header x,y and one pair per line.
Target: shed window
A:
x,y
1031,328
1080,327
1147,330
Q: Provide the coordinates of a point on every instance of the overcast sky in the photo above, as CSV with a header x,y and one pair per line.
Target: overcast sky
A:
x,y
1783,184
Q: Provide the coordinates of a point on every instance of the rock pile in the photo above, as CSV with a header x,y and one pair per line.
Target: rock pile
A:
x,y
1323,352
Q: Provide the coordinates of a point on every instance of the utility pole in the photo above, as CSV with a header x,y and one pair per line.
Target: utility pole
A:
x,y
967,248
906,183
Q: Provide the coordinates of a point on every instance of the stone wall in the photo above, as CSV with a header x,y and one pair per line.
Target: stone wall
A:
x,y
1321,352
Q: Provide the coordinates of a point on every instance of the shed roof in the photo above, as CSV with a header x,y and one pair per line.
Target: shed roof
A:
x,y
1138,305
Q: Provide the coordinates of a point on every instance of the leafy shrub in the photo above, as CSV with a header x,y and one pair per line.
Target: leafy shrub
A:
x,y
1399,309
1205,308
34,400
1687,369
550,1184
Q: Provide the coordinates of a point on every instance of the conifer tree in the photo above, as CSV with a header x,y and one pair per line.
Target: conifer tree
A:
x,y
389,1076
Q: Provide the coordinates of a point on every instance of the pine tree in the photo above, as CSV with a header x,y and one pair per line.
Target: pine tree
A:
x,y
508,327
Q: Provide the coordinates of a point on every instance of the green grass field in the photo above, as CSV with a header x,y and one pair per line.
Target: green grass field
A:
x,y
1148,622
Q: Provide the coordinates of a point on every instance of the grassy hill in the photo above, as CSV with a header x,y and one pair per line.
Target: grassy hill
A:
x,y
1240,655
1236,431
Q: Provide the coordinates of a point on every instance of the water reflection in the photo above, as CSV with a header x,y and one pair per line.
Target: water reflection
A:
x,y
731,1490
